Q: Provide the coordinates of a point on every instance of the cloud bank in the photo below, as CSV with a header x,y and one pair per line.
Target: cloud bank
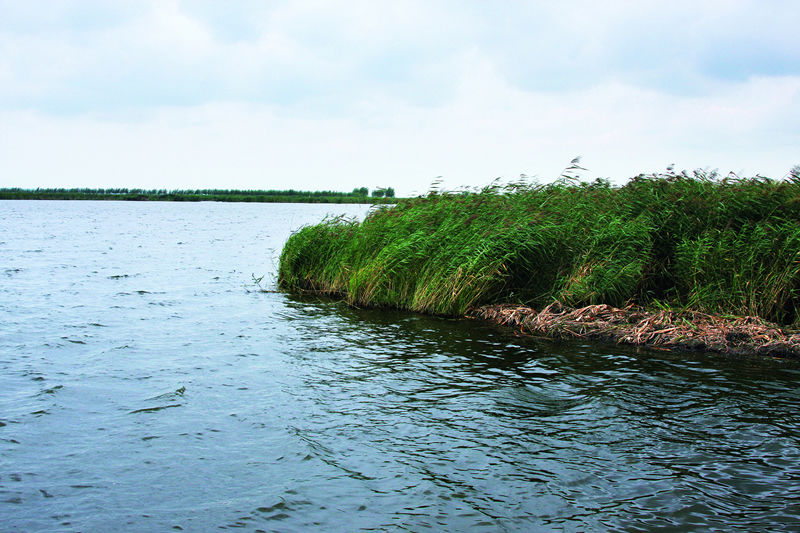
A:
x,y
315,95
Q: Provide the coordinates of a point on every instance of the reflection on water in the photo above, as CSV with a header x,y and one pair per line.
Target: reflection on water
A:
x,y
149,385
499,431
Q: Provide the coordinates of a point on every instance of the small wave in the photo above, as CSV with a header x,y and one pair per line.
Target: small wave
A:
x,y
123,347
279,511
176,393
162,304
154,409
167,396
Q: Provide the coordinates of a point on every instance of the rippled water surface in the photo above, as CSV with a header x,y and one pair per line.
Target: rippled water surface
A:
x,y
148,384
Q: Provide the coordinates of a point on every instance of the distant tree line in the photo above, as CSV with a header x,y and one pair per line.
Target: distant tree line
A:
x,y
380,192
359,195
386,192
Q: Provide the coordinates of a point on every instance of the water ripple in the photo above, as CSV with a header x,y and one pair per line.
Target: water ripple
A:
x,y
144,383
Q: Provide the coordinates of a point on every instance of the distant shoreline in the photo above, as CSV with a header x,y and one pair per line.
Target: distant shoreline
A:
x,y
198,195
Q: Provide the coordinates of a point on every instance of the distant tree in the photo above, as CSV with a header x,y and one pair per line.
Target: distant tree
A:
x,y
379,193
360,191
389,192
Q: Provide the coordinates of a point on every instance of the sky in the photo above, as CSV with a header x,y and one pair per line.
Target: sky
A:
x,y
320,95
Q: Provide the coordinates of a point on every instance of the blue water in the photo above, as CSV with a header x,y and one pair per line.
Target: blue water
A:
x,y
147,383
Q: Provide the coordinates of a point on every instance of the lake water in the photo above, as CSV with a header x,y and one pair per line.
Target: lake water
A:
x,y
148,384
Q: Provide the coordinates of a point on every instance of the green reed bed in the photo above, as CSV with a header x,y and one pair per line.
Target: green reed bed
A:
x,y
685,241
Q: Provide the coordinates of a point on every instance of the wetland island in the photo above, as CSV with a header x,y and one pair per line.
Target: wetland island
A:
x,y
682,261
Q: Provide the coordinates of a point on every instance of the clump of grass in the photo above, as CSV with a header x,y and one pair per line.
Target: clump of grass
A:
x,y
693,241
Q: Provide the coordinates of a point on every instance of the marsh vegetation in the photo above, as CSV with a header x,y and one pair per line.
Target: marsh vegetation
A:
x,y
680,241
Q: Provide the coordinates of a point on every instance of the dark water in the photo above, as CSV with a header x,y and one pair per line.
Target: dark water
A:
x,y
147,384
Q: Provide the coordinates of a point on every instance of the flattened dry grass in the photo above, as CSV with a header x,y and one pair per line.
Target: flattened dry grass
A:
x,y
691,242
687,330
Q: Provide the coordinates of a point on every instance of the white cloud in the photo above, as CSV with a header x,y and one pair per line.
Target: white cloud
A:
x,y
489,129
323,95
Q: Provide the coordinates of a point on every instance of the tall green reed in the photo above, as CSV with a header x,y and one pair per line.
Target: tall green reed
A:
x,y
694,241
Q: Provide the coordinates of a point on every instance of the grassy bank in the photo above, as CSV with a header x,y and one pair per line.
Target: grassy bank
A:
x,y
359,196
692,242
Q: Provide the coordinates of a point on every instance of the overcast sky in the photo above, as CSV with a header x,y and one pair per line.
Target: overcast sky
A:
x,y
336,95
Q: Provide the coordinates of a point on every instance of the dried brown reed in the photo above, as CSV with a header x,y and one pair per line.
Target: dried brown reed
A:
x,y
635,326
